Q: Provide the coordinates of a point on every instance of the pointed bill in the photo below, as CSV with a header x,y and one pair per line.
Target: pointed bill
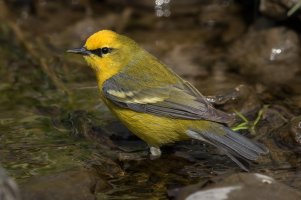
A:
x,y
81,50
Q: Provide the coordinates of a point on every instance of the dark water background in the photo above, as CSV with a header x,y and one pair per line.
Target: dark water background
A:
x,y
58,140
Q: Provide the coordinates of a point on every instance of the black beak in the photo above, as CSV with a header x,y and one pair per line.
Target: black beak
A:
x,y
82,51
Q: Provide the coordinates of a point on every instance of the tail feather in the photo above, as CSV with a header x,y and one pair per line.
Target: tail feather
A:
x,y
232,144
227,143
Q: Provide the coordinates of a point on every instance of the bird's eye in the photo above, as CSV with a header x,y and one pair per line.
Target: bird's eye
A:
x,y
101,51
105,50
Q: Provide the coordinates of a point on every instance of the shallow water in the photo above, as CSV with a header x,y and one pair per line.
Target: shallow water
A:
x,y
52,121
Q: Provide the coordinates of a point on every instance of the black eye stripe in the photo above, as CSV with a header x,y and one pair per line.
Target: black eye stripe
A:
x,y
101,51
96,51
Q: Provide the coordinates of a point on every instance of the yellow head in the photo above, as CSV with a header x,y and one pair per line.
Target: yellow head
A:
x,y
107,52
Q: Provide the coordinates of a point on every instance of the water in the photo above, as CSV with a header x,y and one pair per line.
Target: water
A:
x,y
52,120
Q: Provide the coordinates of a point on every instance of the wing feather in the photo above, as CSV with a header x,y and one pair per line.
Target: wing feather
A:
x,y
179,100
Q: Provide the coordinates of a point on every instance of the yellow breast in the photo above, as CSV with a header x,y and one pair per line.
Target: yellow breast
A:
x,y
154,130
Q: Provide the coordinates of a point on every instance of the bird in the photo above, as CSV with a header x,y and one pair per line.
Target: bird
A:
x,y
155,103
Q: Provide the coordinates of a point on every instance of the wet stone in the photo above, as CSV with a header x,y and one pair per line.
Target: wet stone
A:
x,y
236,187
290,135
73,184
220,22
274,48
244,99
79,31
272,119
295,127
276,9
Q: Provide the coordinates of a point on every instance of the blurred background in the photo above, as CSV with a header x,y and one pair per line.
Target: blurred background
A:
x,y
58,140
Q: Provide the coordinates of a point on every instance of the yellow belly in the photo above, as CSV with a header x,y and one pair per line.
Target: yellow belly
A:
x,y
154,130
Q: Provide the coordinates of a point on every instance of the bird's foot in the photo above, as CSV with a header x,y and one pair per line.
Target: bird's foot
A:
x,y
155,153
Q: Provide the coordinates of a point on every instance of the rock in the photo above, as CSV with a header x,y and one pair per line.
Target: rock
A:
x,y
8,187
290,135
221,22
295,129
297,101
236,187
75,184
266,55
182,59
74,35
276,9
243,99
272,119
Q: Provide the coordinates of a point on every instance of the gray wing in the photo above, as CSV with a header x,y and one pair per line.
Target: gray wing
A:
x,y
178,100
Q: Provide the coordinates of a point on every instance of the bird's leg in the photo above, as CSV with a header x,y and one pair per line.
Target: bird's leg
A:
x,y
155,152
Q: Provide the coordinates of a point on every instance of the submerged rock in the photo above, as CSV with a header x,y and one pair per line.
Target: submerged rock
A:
x,y
236,187
290,135
266,55
75,184
276,9
221,22
295,130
